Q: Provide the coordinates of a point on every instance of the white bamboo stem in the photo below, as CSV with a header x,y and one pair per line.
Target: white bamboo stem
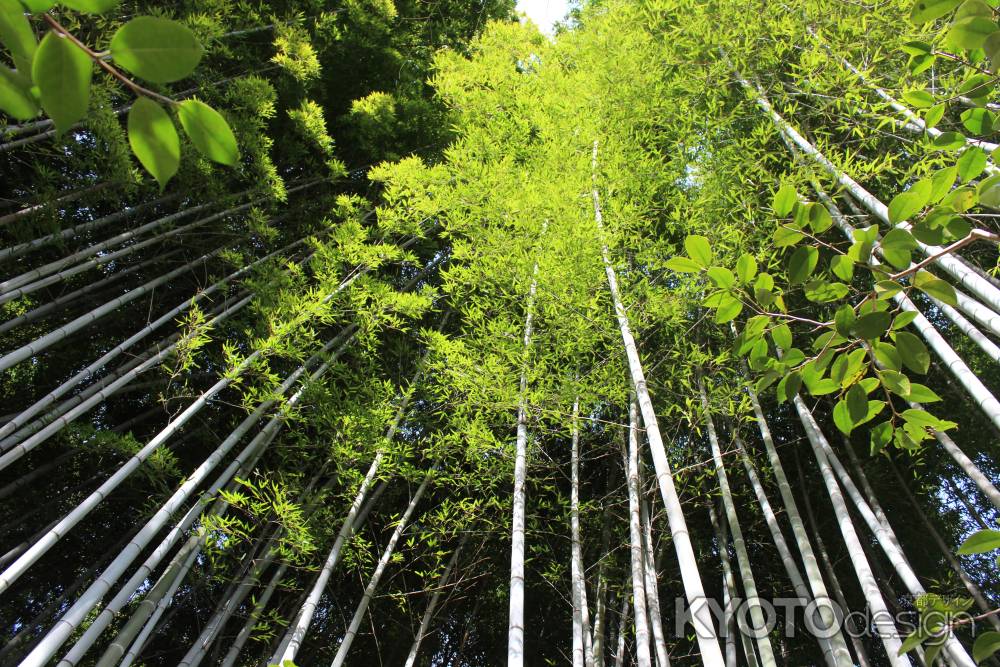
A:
x,y
739,545
881,617
641,618
515,623
694,591
352,630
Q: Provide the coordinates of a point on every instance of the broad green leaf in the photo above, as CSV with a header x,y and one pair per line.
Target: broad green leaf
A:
x,y
880,437
978,121
925,420
683,265
903,319
823,387
949,141
972,162
887,355
62,72
766,380
91,6
913,352
869,384
895,382
17,35
842,417
756,326
788,387
156,49
782,336
932,649
844,319
907,204
793,357
941,183
978,87
842,267
935,287
961,199
819,218
872,325
721,276
980,542
875,408
927,233
922,63
821,291
154,140
801,264
897,246
986,645
746,268
973,8
857,404
699,249
715,299
784,200
886,289
917,48
784,237
16,99
928,10
38,6
764,281
922,394
209,132
990,196
992,48
920,99
970,32
729,310
933,115
958,227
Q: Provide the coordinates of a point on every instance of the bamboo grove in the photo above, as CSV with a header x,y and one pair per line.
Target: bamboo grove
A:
x,y
372,332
